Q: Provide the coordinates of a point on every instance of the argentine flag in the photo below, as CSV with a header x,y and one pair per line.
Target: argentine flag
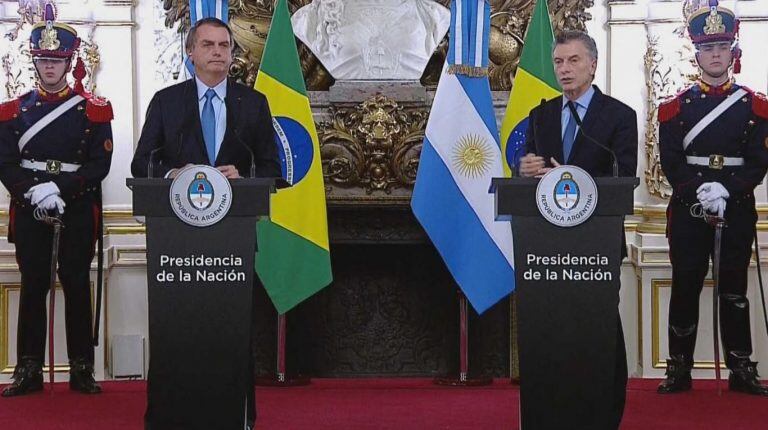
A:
x,y
460,155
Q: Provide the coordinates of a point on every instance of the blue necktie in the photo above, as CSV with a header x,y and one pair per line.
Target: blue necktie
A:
x,y
208,121
570,134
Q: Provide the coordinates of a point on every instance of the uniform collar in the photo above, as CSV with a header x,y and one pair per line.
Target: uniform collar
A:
x,y
719,90
54,97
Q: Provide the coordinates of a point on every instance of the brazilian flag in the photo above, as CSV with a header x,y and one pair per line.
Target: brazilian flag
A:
x,y
293,260
534,80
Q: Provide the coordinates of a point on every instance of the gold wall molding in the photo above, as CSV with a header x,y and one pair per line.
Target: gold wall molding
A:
x,y
5,289
652,219
77,22
639,320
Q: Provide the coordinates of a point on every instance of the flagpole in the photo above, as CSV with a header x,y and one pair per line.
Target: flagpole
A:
x,y
463,379
281,379
514,357
281,347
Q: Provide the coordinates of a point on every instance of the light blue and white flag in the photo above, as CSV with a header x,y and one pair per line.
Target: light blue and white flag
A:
x,y
199,9
460,155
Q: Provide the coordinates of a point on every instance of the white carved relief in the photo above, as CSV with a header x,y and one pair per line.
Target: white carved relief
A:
x,y
168,49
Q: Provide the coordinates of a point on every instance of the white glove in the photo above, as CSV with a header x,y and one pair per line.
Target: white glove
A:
x,y
39,192
53,202
711,191
715,206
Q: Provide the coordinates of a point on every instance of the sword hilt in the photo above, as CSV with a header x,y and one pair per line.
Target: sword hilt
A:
x,y
697,211
42,215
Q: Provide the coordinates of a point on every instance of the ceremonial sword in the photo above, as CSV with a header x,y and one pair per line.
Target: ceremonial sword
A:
x,y
718,222
41,215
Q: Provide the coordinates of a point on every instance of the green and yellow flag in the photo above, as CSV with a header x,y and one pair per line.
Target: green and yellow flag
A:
x,y
534,80
293,259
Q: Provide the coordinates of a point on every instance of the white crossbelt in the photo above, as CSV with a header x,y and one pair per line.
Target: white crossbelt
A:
x,y
43,165
712,115
705,161
47,119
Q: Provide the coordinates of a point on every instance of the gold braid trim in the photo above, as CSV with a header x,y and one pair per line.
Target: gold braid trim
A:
x,y
472,72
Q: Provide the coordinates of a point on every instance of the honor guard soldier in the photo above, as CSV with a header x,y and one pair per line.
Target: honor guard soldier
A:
x,y
55,149
713,141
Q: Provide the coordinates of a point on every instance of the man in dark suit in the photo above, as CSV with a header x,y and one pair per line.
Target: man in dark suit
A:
x,y
175,133
209,120
554,137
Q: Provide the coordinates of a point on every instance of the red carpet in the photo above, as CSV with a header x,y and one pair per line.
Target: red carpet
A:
x,y
399,404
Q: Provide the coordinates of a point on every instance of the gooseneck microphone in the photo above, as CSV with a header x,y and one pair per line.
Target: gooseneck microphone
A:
x,y
250,151
150,164
536,130
593,140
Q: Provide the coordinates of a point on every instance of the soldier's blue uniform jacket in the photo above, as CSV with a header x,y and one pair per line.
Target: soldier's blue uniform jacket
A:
x,y
739,132
82,135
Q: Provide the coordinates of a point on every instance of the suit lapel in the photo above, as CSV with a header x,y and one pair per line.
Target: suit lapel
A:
x,y
591,119
192,117
232,102
554,117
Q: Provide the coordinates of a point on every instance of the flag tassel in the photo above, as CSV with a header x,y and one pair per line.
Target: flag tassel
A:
x,y
467,70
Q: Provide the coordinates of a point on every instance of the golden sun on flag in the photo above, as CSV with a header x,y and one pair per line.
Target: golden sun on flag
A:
x,y
472,156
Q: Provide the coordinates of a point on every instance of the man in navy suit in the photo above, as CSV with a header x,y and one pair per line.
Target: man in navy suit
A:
x,y
554,138
209,120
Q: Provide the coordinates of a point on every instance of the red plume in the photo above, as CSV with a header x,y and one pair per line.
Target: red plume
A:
x,y
736,49
79,74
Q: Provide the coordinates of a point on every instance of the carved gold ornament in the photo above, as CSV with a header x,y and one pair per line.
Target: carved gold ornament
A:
x,y
374,145
49,38
655,81
664,77
714,23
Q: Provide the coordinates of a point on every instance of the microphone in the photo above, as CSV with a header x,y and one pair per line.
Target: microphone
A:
x,y
536,129
150,165
250,152
181,144
575,116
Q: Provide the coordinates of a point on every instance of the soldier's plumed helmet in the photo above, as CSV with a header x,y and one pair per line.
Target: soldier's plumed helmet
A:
x,y
712,23
50,39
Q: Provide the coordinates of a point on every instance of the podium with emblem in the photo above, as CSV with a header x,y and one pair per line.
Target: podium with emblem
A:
x,y
568,230
201,240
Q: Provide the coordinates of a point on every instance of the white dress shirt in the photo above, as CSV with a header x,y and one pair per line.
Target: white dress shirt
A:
x,y
219,107
581,104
